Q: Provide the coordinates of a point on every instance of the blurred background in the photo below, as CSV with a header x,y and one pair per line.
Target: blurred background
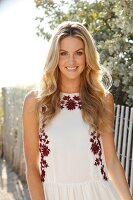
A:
x,y
25,29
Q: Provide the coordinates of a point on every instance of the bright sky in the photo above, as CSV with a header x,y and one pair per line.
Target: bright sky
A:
x,y
21,51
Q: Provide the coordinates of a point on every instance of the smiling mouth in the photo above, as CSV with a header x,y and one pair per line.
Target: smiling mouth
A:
x,y
71,69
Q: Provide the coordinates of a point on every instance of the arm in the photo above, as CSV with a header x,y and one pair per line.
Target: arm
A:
x,y
31,147
115,170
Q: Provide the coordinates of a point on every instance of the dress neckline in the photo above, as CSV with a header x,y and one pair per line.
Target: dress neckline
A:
x,y
69,94
70,101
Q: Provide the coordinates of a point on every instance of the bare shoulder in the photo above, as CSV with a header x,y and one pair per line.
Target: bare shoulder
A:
x,y
31,101
30,121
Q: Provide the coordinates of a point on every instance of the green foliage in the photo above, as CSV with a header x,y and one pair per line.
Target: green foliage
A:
x,y
110,23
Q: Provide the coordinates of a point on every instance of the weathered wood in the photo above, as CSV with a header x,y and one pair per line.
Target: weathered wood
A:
x,y
1,141
120,132
129,155
117,108
123,136
125,132
12,128
131,177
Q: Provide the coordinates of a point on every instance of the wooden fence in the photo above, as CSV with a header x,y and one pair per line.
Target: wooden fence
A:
x,y
123,136
12,140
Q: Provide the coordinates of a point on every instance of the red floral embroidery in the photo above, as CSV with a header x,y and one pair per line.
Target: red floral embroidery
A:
x,y
97,151
44,150
70,103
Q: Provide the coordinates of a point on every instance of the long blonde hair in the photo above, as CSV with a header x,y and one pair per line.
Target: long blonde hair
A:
x,y
93,87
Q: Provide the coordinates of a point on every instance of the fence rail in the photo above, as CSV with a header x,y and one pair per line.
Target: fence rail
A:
x,y
123,136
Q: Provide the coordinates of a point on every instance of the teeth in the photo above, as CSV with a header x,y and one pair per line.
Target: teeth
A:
x,y
71,68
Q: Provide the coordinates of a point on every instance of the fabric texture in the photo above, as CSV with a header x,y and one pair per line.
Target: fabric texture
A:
x,y
72,162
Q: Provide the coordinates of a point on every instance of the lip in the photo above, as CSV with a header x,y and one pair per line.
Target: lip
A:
x,y
71,69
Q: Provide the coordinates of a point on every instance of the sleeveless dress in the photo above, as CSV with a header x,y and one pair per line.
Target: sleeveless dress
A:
x,y
72,163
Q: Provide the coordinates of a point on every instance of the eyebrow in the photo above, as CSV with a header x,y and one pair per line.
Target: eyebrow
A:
x,y
75,51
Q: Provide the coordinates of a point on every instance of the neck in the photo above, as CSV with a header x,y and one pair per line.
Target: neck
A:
x,y
69,90
70,86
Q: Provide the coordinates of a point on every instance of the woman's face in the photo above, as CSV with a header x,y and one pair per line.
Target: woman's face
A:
x,y
71,58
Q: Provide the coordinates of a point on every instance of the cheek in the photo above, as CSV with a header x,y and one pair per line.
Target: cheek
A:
x,y
82,61
61,65
61,61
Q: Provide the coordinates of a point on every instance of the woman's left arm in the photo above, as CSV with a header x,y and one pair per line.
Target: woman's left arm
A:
x,y
114,167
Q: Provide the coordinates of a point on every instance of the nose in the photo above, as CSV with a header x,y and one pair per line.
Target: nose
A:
x,y
71,60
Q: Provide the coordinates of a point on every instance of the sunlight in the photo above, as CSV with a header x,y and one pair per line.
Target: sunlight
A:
x,y
22,52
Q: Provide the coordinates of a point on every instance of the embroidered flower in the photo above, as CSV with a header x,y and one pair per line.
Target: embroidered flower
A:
x,y
76,98
66,98
70,103
97,151
44,151
95,148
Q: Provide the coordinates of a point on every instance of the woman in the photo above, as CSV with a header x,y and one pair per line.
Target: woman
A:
x,y
68,125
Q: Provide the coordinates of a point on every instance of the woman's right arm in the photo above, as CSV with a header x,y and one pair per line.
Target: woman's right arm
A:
x,y
31,146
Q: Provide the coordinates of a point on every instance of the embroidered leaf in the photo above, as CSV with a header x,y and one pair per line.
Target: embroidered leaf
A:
x,y
44,150
97,151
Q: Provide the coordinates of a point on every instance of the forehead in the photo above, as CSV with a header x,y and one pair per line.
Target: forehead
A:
x,y
71,42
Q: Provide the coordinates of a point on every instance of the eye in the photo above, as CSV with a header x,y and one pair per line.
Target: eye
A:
x,y
79,53
63,53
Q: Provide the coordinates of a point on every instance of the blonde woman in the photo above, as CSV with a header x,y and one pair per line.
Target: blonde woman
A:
x,y
68,125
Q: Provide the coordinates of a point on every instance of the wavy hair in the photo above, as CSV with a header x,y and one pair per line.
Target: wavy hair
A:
x,y
94,85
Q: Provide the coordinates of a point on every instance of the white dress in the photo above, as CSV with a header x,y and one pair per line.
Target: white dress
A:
x,y
72,160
